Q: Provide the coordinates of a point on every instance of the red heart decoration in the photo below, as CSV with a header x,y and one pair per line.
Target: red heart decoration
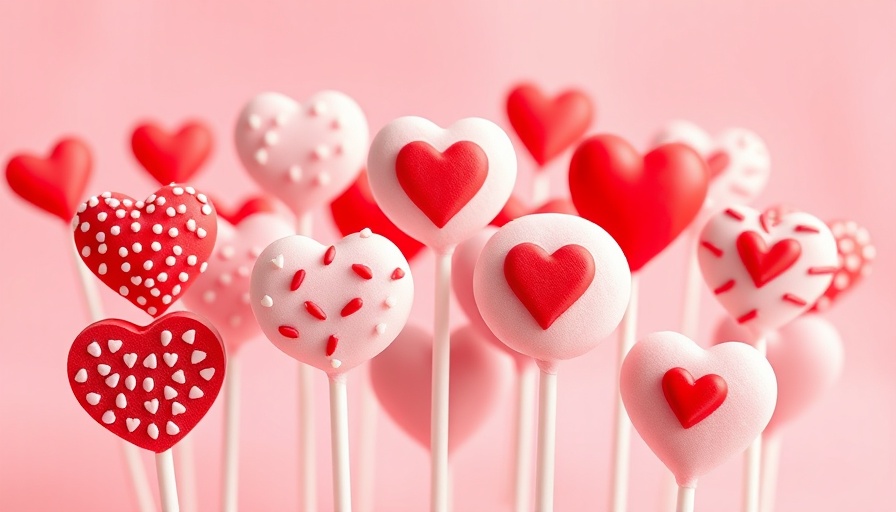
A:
x,y
548,284
172,158
251,206
693,401
441,184
855,252
148,385
54,184
148,251
764,264
515,208
548,126
644,203
356,209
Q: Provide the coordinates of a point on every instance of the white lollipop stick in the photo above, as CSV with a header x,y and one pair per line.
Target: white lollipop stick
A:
x,y
367,449
525,410
771,457
441,352
685,499
622,432
231,469
753,457
185,464
547,437
342,485
307,451
135,469
167,481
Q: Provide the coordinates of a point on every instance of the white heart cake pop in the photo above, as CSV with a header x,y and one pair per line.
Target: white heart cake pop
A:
x,y
696,408
332,307
304,154
551,286
441,185
766,272
221,294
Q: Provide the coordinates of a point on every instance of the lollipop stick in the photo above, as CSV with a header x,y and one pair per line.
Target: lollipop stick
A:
x,y
525,402
685,499
135,469
547,432
771,457
440,372
230,474
623,428
307,457
185,464
167,482
342,485
367,451
541,187
753,458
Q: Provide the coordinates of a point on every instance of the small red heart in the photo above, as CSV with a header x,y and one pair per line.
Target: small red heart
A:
x,y
693,401
515,209
356,209
548,284
717,163
764,264
172,158
148,385
644,203
548,126
251,206
441,184
54,184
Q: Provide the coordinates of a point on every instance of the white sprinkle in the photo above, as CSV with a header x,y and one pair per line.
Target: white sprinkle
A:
x,y
254,121
135,214
278,261
227,252
171,211
115,230
846,245
114,203
177,408
123,252
209,296
201,233
242,271
93,398
206,210
81,376
841,280
170,393
162,277
151,405
322,178
94,349
103,369
102,249
127,202
175,290
390,302
85,252
137,247
177,191
75,222
152,310
171,429
271,138
336,363
318,108
102,216
109,417
853,262
191,260
125,267
157,229
139,205
190,190
191,225
869,252
172,232
235,321
166,299
121,401
136,280
181,209
85,227
365,233
189,337
178,377
207,374
160,201
112,380
281,119
150,361
156,246
102,269
183,277
155,292
196,393
225,279
380,328
121,214
130,382
197,357
267,301
100,237
130,359
114,345
166,338
147,265
295,173
170,261
82,207
148,384
151,208
177,250
132,424
202,199
261,156
170,359
203,267
153,431
321,152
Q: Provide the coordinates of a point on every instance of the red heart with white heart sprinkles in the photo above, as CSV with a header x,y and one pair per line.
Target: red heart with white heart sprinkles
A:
x,y
148,251
148,385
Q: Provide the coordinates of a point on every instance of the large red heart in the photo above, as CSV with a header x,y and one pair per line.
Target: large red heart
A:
x,y
172,158
515,208
249,207
548,126
441,184
548,284
644,203
356,209
764,264
148,251
54,184
692,401
148,385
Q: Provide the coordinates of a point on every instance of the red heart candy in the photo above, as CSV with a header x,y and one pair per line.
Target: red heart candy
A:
x,y
149,251
693,401
172,158
515,209
855,254
251,206
356,209
148,385
764,264
441,184
54,184
548,126
644,203
548,284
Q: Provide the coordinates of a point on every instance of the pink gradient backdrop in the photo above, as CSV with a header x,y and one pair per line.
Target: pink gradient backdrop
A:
x,y
815,79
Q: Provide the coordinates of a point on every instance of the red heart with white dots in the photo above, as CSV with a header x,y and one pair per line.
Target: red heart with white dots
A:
x,y
148,251
148,385
855,254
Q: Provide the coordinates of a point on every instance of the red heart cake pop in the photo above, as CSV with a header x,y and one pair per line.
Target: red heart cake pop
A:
x,y
548,126
172,158
54,184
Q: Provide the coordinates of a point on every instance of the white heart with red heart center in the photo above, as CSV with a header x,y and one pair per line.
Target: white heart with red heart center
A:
x,y
332,307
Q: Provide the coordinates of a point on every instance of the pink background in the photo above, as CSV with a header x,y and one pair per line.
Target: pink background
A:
x,y
815,79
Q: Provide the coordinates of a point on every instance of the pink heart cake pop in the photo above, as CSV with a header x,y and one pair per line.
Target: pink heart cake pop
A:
x,y
304,154
148,251
856,252
148,385
551,286
441,185
222,292
766,273
333,307
696,408
402,377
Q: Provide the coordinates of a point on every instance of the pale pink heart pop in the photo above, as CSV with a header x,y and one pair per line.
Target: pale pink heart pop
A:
x,y
332,307
402,376
441,185
766,272
305,154
221,294
696,408
738,160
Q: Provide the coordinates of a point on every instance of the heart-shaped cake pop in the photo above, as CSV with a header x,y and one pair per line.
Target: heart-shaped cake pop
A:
x,y
551,286
855,254
548,126
148,251
515,208
304,154
766,273
172,157
696,408
148,385
644,203
807,356
441,186
401,377
356,209
54,184
738,161
249,207
222,292
332,307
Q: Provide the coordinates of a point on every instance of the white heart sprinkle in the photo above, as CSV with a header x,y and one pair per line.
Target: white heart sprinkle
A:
x,y
170,359
278,261
130,359
114,345
152,405
132,424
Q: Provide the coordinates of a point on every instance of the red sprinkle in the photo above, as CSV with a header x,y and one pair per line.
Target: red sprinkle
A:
x,y
363,271
725,287
353,306
289,332
749,316
822,270
297,280
397,274
315,310
733,214
330,255
805,229
713,249
331,345
794,299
